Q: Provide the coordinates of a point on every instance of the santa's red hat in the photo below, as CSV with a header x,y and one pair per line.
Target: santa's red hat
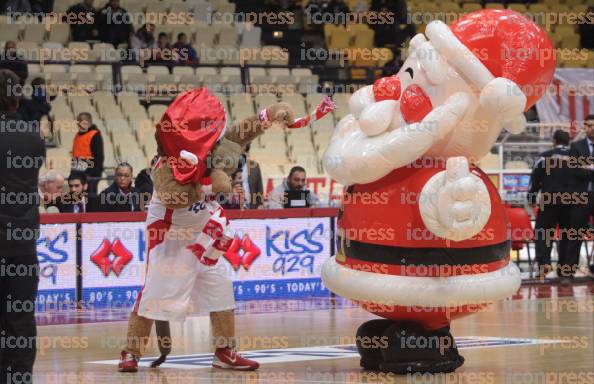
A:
x,y
507,56
189,130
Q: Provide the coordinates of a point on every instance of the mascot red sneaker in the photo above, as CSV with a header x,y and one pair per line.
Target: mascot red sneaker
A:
x,y
422,231
187,230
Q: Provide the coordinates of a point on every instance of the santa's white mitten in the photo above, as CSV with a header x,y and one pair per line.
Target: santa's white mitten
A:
x,y
505,100
455,203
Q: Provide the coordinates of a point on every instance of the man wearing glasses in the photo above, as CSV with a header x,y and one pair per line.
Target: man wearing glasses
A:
x,y
583,150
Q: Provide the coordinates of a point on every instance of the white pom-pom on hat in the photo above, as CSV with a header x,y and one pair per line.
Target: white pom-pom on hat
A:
x,y
189,157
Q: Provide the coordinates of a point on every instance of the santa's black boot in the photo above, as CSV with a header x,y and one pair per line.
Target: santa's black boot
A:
x,y
412,349
370,341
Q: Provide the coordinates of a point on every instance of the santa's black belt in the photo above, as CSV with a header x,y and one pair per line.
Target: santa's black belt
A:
x,y
385,254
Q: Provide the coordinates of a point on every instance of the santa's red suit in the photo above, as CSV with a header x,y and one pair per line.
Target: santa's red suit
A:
x,y
405,272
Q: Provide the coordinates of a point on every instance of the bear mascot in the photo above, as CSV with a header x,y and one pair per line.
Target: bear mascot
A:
x,y
422,233
187,230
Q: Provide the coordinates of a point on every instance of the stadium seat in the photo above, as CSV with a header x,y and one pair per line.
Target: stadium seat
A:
x,y
190,81
59,33
494,6
34,33
342,109
182,70
10,32
241,106
157,70
251,36
227,37
155,111
470,7
520,8
204,36
297,101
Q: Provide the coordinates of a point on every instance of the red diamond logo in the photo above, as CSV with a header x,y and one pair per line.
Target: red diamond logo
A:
x,y
242,252
101,257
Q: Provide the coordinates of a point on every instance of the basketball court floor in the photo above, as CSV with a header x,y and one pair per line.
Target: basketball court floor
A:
x,y
543,335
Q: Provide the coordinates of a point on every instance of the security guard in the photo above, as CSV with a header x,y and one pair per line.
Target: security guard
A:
x,y
552,177
87,150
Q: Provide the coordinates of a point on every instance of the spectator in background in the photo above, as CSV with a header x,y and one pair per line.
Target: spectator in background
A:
x,y
121,196
144,184
114,24
77,200
84,19
183,51
253,185
38,106
337,7
236,198
12,60
143,41
292,193
16,6
586,30
51,186
552,178
583,151
19,229
164,52
87,150
313,10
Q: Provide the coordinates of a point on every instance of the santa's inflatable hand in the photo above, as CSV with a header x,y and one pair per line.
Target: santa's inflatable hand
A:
x,y
455,203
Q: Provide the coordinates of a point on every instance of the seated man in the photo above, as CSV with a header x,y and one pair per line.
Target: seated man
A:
x,y
120,196
77,200
293,193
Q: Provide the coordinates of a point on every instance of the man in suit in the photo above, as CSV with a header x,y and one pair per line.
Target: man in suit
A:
x,y
551,178
583,151
253,187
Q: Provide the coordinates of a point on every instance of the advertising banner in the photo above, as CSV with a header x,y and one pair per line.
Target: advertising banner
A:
x,y
276,258
113,263
56,252
269,258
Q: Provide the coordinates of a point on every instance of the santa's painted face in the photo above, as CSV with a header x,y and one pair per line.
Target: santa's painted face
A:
x,y
386,130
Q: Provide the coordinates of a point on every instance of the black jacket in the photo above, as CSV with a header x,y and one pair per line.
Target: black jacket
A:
x,y
94,168
112,25
582,177
85,22
552,173
10,60
22,153
66,204
112,200
144,184
33,109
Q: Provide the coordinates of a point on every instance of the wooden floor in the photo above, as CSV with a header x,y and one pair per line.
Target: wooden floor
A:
x,y
70,352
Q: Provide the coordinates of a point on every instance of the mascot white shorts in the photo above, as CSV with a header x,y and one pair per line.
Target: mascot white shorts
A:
x,y
176,282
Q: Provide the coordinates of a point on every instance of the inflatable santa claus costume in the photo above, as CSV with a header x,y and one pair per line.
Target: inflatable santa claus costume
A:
x,y
422,231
